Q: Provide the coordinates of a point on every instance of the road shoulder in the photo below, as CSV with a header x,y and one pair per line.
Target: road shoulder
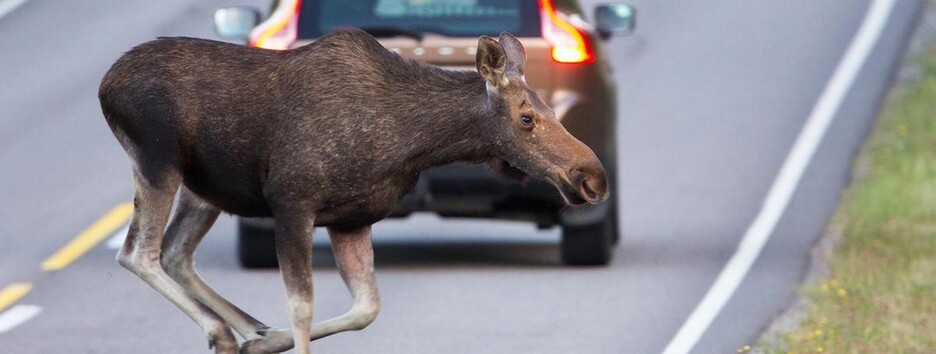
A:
x,y
820,272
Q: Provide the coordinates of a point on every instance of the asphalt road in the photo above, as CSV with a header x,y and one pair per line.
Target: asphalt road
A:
x,y
712,96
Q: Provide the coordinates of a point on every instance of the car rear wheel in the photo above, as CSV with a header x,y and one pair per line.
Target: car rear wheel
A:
x,y
590,244
256,246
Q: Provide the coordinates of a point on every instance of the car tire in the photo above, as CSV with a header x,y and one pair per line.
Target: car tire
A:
x,y
256,246
590,245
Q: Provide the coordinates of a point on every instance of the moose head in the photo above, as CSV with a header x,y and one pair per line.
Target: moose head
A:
x,y
526,134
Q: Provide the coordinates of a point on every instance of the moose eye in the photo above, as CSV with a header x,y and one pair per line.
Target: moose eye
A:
x,y
526,120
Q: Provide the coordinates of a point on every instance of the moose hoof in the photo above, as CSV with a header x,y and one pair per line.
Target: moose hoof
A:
x,y
273,341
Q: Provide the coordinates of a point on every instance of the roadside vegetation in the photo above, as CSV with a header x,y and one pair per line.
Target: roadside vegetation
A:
x,y
881,295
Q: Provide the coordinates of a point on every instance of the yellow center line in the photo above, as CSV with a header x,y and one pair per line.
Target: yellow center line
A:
x,y
11,294
89,238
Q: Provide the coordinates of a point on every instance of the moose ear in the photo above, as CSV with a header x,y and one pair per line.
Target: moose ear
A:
x,y
492,62
516,54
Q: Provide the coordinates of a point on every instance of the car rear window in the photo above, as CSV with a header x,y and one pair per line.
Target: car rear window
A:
x,y
454,18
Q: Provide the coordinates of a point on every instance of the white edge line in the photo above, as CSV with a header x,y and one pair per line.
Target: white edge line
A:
x,y
7,6
787,180
17,315
117,239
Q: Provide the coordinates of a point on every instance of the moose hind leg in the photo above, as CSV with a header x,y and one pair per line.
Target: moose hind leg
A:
x,y
141,253
192,220
354,255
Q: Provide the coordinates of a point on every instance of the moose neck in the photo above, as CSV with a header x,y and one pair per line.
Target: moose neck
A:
x,y
448,119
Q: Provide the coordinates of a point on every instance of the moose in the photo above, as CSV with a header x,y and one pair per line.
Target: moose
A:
x,y
331,134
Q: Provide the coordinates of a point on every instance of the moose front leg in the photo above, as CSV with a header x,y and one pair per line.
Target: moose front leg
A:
x,y
354,254
294,253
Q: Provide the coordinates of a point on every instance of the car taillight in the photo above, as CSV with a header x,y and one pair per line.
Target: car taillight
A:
x,y
279,31
569,43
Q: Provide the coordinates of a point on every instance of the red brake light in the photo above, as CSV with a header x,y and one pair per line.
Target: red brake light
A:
x,y
279,31
569,43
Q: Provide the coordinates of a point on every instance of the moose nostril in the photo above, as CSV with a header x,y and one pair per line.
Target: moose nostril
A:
x,y
590,188
590,184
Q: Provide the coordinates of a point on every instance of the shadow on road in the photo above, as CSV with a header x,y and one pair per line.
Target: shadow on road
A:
x,y
453,254
429,241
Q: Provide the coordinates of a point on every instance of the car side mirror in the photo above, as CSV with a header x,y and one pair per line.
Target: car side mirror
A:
x,y
235,23
615,20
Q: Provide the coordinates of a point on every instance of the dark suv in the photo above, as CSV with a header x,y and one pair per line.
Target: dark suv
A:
x,y
566,67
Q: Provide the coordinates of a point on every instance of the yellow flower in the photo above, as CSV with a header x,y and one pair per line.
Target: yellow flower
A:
x,y
834,283
819,349
823,320
824,287
842,293
818,333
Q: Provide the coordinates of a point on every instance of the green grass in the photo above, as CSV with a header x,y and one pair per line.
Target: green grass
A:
x,y
881,297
